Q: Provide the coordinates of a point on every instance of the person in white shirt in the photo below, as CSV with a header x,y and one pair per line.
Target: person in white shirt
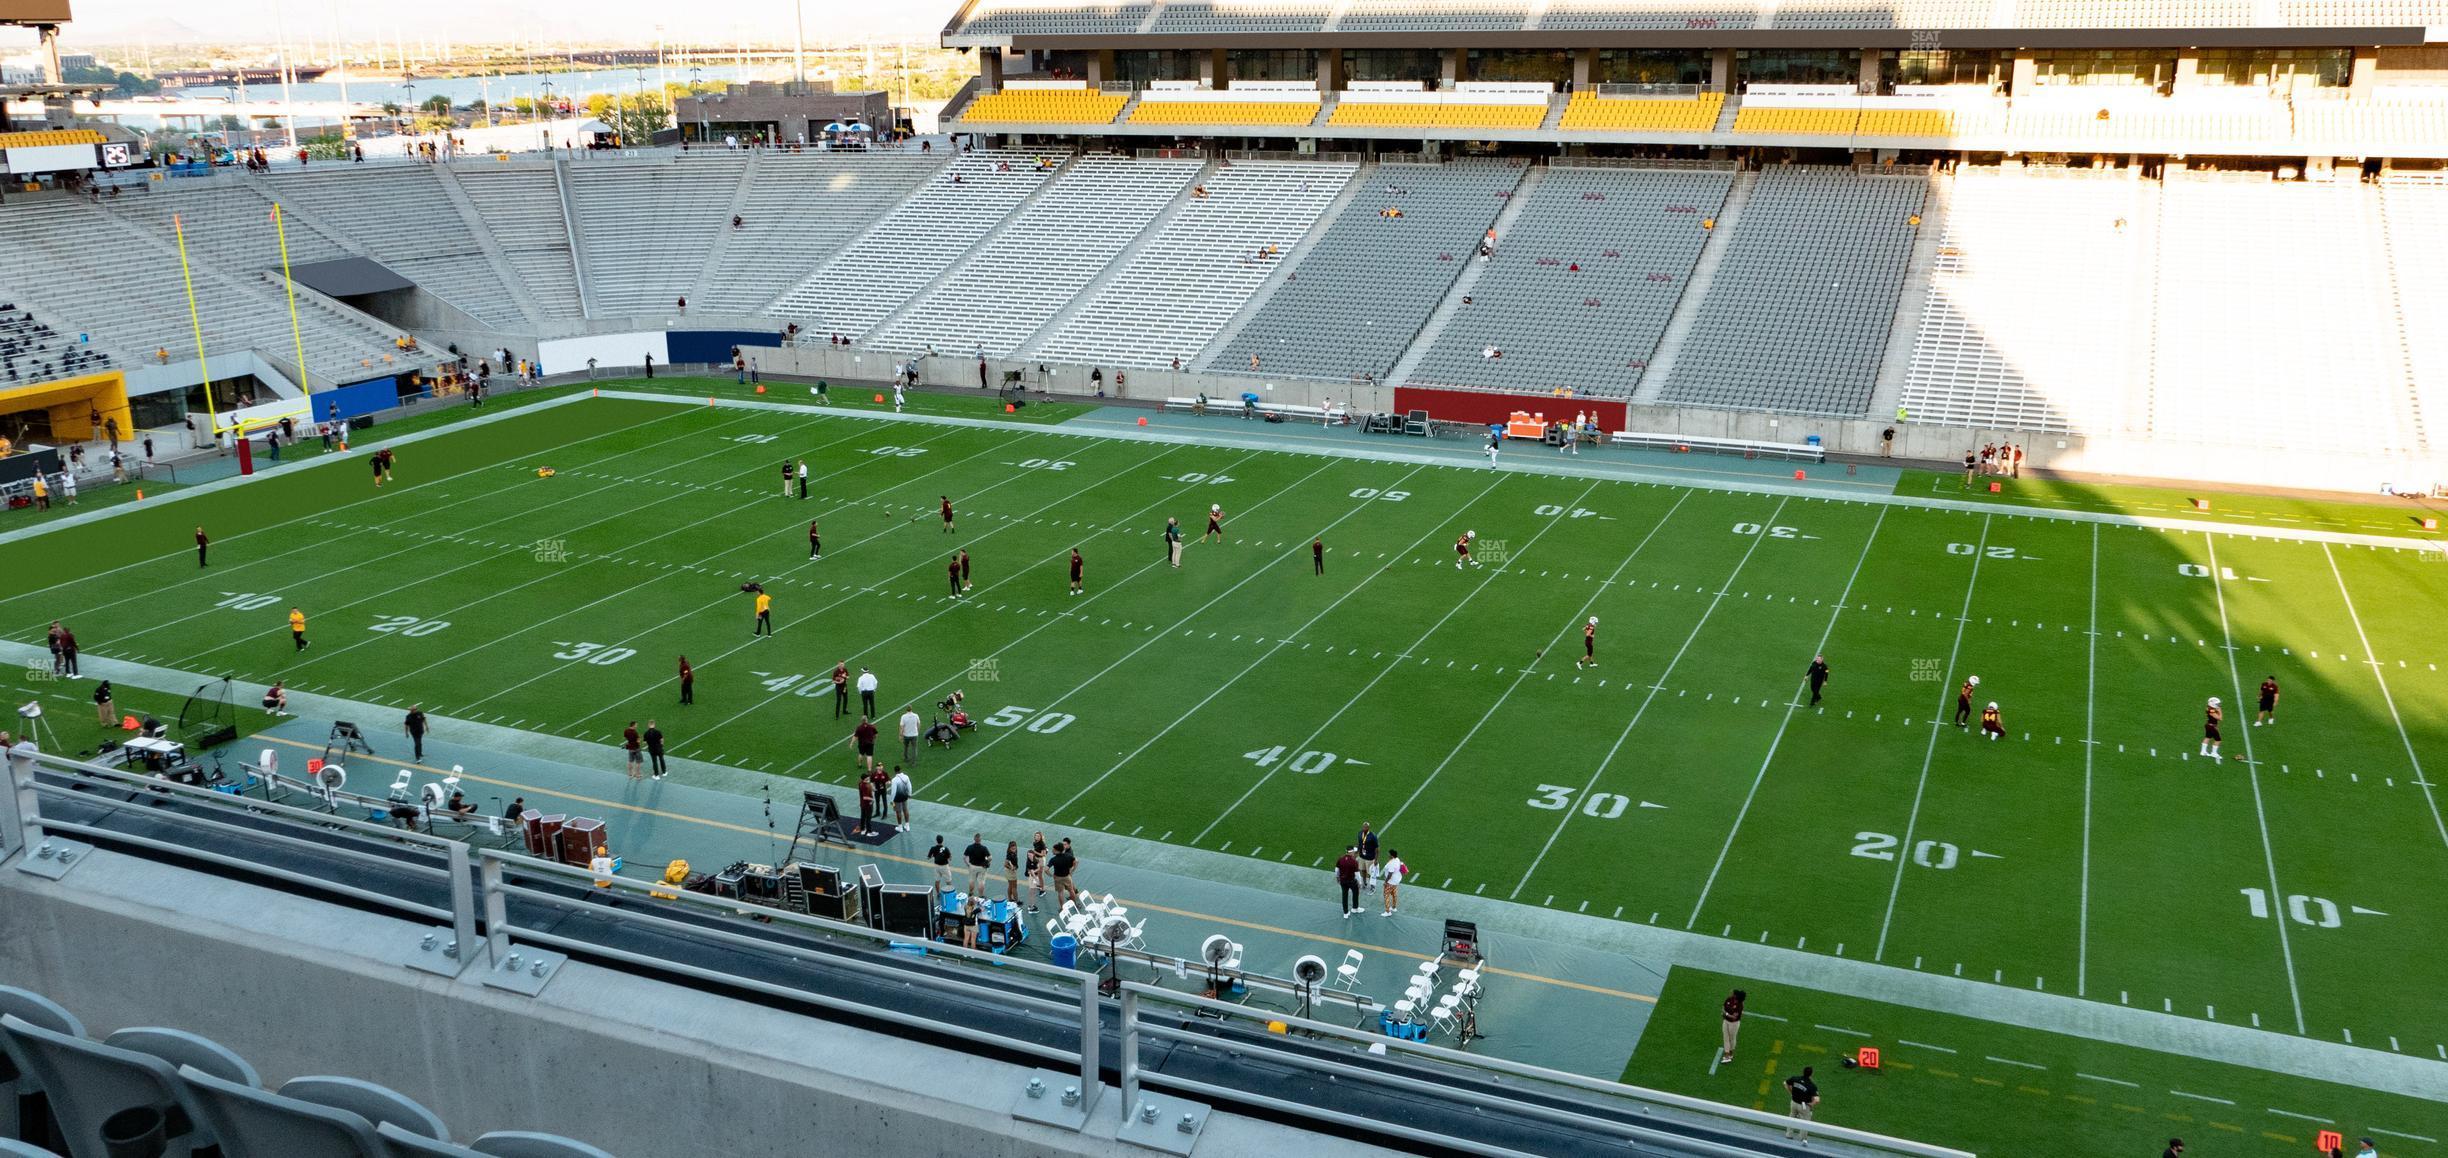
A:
x,y
909,736
1394,871
867,690
900,793
68,486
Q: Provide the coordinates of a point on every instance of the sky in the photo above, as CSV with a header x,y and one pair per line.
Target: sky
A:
x,y
596,21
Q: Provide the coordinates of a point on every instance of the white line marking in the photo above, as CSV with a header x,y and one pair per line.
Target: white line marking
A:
x,y
2252,772
2110,1081
2082,927
1839,1029
2305,1117
1923,1045
1913,818
2203,1098
1643,710
1779,737
2385,697
2409,1137
2007,1061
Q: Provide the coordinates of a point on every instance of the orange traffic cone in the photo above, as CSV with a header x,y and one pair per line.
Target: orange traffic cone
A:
x,y
880,399
140,495
760,389
1143,422
1007,408
1797,474
129,724
595,393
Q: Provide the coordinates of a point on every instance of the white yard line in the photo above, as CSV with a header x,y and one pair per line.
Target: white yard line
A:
x,y
1201,609
2082,928
515,516
1459,604
215,574
2252,772
1842,599
889,527
617,591
1938,724
1286,640
2374,662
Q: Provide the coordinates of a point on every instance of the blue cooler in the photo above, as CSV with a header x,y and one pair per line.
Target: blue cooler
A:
x,y
1066,950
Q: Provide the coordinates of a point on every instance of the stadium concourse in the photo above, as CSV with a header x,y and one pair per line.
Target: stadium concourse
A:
x,y
1947,438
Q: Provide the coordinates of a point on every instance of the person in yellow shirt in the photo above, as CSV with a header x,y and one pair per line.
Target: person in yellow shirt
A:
x,y
764,619
42,494
297,628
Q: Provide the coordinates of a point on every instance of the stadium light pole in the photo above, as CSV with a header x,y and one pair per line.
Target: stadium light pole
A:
x,y
799,42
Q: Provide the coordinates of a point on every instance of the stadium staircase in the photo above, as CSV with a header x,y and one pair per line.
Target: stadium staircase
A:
x,y
1425,340
1919,271
1291,267
1696,288
495,254
1121,261
2393,249
1556,105
959,103
983,249
569,225
738,206
1725,113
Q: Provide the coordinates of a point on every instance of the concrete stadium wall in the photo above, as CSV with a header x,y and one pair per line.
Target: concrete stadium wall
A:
x,y
636,1066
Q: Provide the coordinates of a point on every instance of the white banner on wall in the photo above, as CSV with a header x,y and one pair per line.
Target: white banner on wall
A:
x,y
569,355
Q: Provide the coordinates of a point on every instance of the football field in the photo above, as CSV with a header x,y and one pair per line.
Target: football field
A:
x,y
1245,703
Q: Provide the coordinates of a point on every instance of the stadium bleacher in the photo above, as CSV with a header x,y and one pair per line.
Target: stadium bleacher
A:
x,y
1170,297
520,208
795,210
1242,16
1054,18
1796,320
2014,335
1204,112
911,245
402,217
1582,284
1431,16
1432,113
230,224
1359,295
640,222
2237,358
142,308
1048,106
1051,249
2414,215
31,350
1595,112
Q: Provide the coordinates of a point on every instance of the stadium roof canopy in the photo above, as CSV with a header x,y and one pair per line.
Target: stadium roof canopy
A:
x,y
1155,25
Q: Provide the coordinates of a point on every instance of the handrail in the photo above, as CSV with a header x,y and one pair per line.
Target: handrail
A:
x,y
1530,1095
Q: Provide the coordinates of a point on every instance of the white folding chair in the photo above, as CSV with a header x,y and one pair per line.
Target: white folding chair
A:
x,y
1347,974
1442,1017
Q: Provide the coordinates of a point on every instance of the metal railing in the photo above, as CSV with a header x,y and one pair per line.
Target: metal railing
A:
x,y
503,914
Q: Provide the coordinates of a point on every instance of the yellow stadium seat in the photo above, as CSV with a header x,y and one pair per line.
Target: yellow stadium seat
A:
x,y
1045,106
1224,112
1907,123
1827,122
41,137
1590,112
1438,116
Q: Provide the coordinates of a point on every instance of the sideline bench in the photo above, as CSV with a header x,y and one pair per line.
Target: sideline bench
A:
x,y
1746,447
1236,408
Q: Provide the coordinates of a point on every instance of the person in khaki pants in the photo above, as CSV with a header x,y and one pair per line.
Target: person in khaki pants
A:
x,y
1805,1095
1733,1023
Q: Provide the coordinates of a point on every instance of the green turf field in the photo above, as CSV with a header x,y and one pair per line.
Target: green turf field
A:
x,y
1243,704
1994,1089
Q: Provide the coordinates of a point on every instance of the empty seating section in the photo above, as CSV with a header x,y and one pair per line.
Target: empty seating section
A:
x,y
1053,248
2365,13
2131,13
645,228
2018,332
1053,18
914,243
1652,14
1433,15
1164,112
32,350
1816,121
799,208
2417,222
1904,14
2388,122
1583,283
50,249
2289,339
1435,115
1590,112
202,1097
1172,295
228,223
1360,294
400,215
1797,315
1906,123
520,207
1243,16
44,138
1044,106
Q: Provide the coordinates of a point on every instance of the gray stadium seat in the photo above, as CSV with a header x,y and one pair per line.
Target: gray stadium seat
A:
x,y
253,1123
399,1143
14,1083
376,1104
14,1149
180,1048
524,1144
87,1082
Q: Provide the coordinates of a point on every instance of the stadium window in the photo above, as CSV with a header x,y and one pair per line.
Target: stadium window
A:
x,y
1955,67
1797,66
1521,64
1651,66
2275,67
1170,64
1420,64
2141,69
1273,63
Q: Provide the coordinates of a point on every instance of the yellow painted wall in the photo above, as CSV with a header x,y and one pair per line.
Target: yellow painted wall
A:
x,y
73,403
